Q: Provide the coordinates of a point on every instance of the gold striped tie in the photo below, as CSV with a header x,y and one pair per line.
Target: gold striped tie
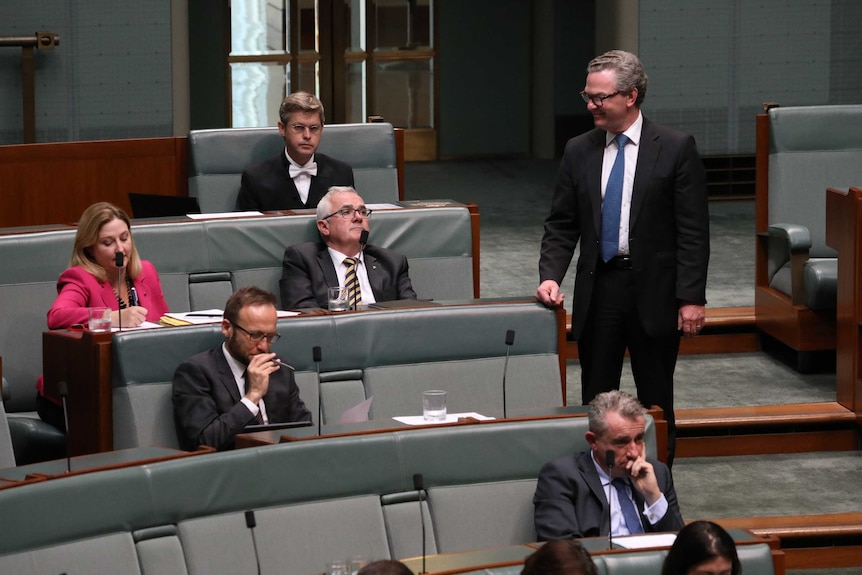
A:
x,y
351,282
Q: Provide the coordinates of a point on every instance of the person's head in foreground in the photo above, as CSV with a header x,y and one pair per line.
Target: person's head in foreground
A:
x,y
385,567
702,548
560,557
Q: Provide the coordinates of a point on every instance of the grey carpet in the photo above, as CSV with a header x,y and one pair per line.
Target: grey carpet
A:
x,y
794,484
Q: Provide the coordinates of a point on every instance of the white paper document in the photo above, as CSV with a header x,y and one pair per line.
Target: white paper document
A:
x,y
450,418
645,541
357,413
222,215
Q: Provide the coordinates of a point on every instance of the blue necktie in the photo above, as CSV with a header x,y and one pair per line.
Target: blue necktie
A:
x,y
630,514
613,202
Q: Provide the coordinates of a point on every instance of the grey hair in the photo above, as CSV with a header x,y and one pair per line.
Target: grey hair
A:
x,y
630,71
613,401
324,206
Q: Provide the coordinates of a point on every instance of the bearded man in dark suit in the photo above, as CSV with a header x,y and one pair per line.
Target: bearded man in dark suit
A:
x,y
633,193
297,177
218,392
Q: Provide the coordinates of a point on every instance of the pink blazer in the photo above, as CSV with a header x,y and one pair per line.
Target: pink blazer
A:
x,y
78,289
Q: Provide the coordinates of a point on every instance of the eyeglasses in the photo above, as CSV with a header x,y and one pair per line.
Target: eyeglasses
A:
x,y
301,128
347,213
598,101
258,336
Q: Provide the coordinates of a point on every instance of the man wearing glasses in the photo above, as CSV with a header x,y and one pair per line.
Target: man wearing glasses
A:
x,y
297,177
633,194
310,269
217,393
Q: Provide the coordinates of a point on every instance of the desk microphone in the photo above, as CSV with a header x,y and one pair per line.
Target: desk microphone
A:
x,y
609,462
63,389
363,239
510,339
118,260
419,487
251,523
316,357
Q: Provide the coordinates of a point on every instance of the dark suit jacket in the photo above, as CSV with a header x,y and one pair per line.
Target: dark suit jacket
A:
x,y
268,186
308,271
570,501
207,406
668,228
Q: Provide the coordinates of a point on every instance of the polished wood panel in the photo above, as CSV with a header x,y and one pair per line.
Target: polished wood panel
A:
x,y
83,361
844,235
769,443
756,415
60,180
845,529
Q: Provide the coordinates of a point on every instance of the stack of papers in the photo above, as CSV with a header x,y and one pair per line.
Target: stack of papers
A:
x,y
192,317
203,316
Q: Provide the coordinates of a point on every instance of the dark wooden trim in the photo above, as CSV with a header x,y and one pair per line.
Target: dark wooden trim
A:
x,y
399,161
768,443
474,225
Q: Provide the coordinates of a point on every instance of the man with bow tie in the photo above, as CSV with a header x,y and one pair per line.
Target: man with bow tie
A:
x,y
298,177
369,273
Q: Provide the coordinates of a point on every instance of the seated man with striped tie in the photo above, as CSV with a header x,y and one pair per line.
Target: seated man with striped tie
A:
x,y
371,274
571,497
218,392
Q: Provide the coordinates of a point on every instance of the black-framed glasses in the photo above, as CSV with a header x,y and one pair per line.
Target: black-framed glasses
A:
x,y
301,128
598,101
347,213
258,336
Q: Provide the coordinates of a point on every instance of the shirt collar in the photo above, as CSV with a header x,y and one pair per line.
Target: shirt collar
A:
x,y
633,132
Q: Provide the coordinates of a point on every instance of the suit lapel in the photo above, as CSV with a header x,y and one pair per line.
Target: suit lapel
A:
x,y
226,375
648,152
327,266
375,275
594,177
109,298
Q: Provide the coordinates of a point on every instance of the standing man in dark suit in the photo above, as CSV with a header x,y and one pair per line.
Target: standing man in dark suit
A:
x,y
298,177
571,497
634,194
310,269
218,392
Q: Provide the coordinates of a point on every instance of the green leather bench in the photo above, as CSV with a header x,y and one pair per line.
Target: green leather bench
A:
x,y
218,157
313,501
201,262
392,355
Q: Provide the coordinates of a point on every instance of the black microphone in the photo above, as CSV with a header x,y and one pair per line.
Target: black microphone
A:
x,y
363,239
609,463
118,260
251,523
316,357
418,485
63,389
510,339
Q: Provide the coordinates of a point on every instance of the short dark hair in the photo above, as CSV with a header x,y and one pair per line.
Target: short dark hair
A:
x,y
246,296
385,567
697,542
560,557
